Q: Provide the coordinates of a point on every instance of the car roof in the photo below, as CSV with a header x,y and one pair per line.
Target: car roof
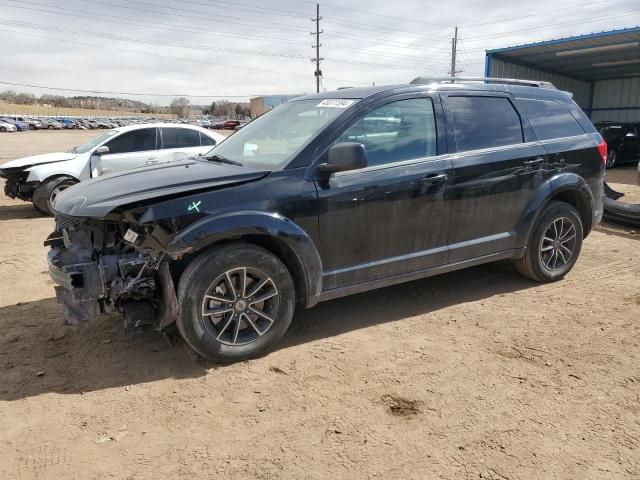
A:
x,y
138,126
360,93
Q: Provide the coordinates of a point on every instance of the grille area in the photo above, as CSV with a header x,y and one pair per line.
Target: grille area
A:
x,y
66,221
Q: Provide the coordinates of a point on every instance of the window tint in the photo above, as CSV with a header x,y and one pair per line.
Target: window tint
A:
x,y
136,141
549,119
484,122
206,140
402,130
180,138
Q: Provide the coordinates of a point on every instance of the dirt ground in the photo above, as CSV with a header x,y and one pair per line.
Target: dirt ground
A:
x,y
474,374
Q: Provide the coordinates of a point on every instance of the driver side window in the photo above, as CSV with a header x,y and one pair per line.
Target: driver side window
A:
x,y
397,131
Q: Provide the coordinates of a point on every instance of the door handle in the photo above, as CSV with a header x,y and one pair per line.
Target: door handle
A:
x,y
435,178
151,161
534,163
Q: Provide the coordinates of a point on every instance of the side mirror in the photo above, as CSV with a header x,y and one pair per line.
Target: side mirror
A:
x,y
101,150
344,156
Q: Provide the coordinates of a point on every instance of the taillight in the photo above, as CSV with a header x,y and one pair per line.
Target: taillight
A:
x,y
602,149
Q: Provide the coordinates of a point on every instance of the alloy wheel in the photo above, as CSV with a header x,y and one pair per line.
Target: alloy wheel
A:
x,y
56,191
558,244
611,158
240,306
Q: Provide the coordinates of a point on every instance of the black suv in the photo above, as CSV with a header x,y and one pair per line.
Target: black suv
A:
x,y
330,195
623,142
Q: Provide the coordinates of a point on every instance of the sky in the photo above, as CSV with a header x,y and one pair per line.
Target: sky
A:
x,y
209,49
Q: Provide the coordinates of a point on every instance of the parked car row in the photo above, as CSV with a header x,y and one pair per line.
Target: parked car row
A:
x,y
17,123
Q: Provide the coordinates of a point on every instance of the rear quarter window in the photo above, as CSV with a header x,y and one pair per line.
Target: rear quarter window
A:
x,y
550,119
484,122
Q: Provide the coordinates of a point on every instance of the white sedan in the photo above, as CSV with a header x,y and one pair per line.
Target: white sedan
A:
x,y
40,178
7,127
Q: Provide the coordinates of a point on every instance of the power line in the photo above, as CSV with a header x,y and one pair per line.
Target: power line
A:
x,y
519,17
179,59
156,25
164,26
340,7
132,94
585,20
36,26
222,18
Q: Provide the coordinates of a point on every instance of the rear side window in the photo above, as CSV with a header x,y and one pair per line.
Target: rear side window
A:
x,y
206,141
549,119
136,141
484,122
180,138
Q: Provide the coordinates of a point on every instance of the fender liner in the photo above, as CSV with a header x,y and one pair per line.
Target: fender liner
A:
x,y
297,242
564,184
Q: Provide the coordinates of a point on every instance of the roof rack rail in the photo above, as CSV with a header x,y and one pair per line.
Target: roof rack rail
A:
x,y
509,81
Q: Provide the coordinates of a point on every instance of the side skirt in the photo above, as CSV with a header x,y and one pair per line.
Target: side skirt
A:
x,y
410,276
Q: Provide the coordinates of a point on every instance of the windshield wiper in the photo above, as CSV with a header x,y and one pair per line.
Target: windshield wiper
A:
x,y
219,159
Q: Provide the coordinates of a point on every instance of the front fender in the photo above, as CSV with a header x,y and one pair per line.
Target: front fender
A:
x,y
565,182
77,168
209,230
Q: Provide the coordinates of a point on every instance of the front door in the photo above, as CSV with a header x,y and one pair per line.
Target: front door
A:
x,y
391,217
129,150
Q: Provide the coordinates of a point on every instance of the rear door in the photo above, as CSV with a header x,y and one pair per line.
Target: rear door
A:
x,y
390,218
180,143
129,150
497,168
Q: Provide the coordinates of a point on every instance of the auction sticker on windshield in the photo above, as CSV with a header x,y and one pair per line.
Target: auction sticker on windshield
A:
x,y
336,103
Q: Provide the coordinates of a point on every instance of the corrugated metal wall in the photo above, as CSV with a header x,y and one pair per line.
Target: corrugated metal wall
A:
x,y
615,100
623,94
580,89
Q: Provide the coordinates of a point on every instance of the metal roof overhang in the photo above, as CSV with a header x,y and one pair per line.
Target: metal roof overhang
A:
x,y
596,56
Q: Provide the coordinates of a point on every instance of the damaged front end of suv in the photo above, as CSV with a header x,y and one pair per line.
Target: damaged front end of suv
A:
x,y
104,266
113,252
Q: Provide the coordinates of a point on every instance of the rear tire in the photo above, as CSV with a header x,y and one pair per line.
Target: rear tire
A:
x,y
46,192
235,302
612,158
3,129
554,245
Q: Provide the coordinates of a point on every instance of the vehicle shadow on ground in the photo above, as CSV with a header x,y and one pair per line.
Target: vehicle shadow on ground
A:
x,y
618,230
19,212
623,174
40,355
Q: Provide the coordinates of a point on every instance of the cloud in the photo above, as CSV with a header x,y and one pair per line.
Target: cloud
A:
x,y
224,48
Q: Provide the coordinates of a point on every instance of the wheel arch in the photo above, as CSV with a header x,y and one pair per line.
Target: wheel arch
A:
x,y
276,234
566,187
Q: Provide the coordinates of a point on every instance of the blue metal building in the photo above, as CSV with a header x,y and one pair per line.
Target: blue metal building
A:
x,y
602,70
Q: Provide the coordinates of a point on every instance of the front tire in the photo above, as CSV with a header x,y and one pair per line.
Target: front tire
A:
x,y
555,244
236,302
47,191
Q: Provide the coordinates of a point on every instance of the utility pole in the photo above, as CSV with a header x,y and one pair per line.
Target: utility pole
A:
x,y
318,59
454,51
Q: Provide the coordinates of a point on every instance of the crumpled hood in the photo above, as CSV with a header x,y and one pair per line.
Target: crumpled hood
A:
x,y
27,162
98,197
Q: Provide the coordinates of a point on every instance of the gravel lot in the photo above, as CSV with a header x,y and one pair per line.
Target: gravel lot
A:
x,y
474,374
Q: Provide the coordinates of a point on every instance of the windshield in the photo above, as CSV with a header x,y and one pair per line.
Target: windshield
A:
x,y
93,142
272,140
